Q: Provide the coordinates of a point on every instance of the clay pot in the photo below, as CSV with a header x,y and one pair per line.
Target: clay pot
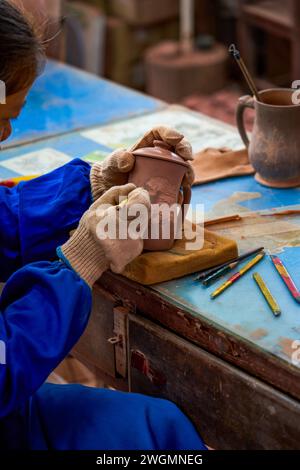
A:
x,y
161,172
274,150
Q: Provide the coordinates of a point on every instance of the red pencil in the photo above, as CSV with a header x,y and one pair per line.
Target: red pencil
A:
x,y
286,277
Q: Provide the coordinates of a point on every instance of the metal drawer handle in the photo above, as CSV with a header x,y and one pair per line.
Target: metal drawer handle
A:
x,y
115,340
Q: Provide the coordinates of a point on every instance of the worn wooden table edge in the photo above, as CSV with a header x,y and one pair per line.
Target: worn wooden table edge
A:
x,y
223,344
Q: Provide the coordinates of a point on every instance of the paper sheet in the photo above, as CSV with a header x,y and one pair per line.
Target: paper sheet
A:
x,y
200,130
37,163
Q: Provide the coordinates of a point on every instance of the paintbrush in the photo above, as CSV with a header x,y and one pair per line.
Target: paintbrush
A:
x,y
237,56
208,281
235,277
209,272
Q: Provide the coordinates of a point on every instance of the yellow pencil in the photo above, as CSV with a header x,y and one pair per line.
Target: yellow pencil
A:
x,y
237,275
267,294
11,182
19,179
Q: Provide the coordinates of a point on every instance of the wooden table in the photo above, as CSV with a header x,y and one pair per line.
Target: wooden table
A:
x,y
231,366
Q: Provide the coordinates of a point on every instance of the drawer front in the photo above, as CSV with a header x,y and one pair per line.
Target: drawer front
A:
x,y
231,409
94,346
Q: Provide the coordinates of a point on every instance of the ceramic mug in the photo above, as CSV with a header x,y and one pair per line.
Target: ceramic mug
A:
x,y
274,148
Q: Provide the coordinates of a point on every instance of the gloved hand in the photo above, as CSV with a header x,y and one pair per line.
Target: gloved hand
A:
x,y
90,251
115,169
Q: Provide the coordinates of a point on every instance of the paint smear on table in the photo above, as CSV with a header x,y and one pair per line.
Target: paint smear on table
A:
x,y
274,233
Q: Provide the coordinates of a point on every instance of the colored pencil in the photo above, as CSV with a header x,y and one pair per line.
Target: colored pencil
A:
x,y
233,279
267,294
12,182
208,281
286,277
208,272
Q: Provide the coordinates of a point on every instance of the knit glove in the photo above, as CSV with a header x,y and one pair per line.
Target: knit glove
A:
x,y
90,251
115,169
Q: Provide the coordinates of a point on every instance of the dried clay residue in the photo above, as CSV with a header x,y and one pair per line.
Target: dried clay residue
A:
x,y
259,333
286,345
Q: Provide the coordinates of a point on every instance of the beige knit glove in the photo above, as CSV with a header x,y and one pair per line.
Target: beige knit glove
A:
x,y
115,169
92,249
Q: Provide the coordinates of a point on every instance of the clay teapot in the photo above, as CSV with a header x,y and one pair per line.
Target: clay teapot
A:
x,y
161,172
274,149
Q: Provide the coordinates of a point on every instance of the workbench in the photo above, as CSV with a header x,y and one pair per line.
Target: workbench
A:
x,y
229,363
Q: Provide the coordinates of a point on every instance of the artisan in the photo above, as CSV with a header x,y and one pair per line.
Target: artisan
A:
x,y
46,303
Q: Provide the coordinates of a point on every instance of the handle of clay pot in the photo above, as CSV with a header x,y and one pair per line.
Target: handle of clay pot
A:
x,y
244,102
187,196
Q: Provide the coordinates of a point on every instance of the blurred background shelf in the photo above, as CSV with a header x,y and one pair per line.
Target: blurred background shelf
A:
x,y
269,40
270,15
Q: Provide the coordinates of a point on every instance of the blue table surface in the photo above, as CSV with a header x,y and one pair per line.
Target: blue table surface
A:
x,y
241,310
64,99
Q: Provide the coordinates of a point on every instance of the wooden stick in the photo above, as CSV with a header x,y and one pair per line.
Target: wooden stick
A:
x,y
220,220
249,79
282,213
237,217
236,55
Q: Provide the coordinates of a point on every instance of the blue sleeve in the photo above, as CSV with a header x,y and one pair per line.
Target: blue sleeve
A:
x,y
44,310
10,253
37,216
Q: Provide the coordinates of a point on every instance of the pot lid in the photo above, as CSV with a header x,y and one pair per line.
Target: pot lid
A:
x,y
160,151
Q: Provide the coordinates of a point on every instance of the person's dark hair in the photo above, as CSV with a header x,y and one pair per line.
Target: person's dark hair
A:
x,y
21,50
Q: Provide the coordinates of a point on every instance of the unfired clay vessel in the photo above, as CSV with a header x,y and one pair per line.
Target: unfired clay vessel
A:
x,y
274,150
161,172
